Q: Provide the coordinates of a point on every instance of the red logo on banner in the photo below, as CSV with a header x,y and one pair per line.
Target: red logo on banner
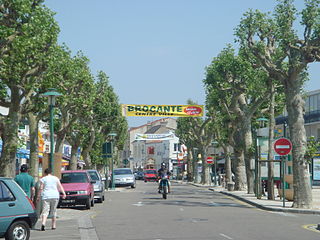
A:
x,y
192,110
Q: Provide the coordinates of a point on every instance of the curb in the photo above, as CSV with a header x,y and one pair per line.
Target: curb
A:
x,y
273,209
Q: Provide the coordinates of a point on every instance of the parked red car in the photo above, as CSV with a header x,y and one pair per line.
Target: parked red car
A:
x,y
150,175
78,187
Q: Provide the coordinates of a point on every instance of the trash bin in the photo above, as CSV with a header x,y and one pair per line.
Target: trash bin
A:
x,y
230,186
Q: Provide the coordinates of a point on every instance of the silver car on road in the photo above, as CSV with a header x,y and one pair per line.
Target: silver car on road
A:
x,y
124,177
99,185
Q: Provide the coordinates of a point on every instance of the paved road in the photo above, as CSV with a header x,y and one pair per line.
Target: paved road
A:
x,y
192,213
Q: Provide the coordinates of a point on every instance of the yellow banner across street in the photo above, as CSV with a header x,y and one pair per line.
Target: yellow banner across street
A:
x,y
133,110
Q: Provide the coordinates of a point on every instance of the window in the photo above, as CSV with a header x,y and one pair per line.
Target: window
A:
x,y
5,193
176,147
74,178
307,106
94,176
313,103
150,150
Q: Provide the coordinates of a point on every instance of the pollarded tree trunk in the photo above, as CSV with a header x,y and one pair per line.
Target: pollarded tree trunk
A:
x,y
301,177
205,176
10,136
195,168
240,170
270,143
247,139
227,158
189,166
61,136
34,146
86,150
239,163
74,157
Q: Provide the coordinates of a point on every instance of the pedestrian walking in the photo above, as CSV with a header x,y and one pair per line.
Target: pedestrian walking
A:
x,y
50,187
25,181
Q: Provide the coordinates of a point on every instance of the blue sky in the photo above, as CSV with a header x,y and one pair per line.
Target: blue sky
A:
x,y
155,51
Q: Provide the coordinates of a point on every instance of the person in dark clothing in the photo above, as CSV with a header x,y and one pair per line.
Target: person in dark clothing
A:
x,y
25,181
163,172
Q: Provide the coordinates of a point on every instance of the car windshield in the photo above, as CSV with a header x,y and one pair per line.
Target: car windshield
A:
x,y
151,172
74,178
94,176
122,171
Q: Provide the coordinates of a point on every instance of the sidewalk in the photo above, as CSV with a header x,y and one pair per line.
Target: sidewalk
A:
x,y
68,226
264,203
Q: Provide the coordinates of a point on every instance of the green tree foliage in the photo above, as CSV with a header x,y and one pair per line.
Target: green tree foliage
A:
x,y
285,55
197,132
27,36
231,84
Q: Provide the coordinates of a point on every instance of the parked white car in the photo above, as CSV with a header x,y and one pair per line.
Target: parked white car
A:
x,y
124,177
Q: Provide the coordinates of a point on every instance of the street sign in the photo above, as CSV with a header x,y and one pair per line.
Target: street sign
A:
x,y
282,146
209,160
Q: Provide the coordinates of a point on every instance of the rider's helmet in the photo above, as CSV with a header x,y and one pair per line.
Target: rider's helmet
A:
x,y
163,165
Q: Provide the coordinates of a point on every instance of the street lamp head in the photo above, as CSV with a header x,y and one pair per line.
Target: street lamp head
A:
x,y
51,94
261,121
112,135
214,143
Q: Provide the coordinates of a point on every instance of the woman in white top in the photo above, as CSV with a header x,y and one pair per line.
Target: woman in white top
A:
x,y
50,187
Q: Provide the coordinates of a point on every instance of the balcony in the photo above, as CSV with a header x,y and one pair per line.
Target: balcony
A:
x,y
309,117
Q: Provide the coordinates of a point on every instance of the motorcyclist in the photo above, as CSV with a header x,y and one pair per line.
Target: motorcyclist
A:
x,y
163,172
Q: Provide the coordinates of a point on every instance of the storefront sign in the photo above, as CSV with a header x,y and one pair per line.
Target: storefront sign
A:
x,y
162,110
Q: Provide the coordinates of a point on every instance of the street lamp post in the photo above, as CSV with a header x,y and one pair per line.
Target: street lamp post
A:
x,y
51,94
215,161
257,157
112,136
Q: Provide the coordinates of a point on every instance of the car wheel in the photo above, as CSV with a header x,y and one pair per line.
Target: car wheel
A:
x,y
92,202
18,230
133,186
88,204
102,198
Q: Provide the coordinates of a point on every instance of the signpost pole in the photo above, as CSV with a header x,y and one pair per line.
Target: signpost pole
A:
x,y
283,181
283,147
215,171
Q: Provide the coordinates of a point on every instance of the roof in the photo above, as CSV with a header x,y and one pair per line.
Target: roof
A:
x,y
153,129
150,123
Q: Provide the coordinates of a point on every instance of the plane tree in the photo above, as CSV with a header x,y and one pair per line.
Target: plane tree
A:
x,y
285,55
201,135
23,61
240,87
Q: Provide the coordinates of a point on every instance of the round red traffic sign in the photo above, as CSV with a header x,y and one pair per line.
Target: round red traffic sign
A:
x,y
282,146
209,160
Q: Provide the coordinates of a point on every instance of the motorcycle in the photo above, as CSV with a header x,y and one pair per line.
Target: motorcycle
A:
x,y
164,186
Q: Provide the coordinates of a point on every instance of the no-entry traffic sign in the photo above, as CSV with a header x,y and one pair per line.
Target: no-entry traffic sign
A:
x,y
209,160
282,146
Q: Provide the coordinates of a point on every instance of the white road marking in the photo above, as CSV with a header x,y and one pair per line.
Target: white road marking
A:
x,y
225,236
139,204
284,214
214,204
